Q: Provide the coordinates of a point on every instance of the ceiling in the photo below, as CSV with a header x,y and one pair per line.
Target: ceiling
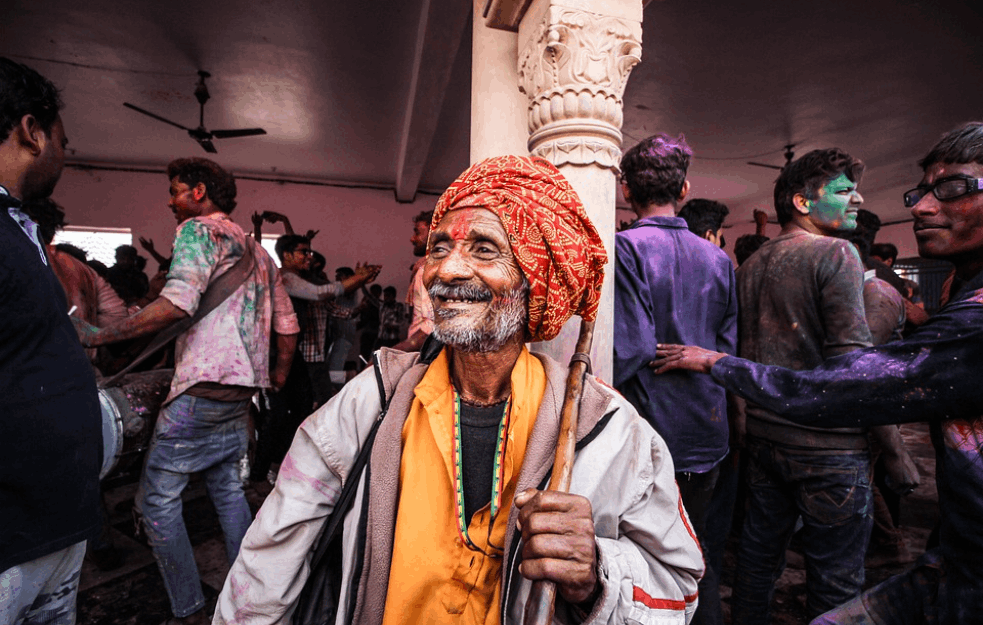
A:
x,y
367,93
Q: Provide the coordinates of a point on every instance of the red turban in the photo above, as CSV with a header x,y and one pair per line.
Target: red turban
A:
x,y
554,242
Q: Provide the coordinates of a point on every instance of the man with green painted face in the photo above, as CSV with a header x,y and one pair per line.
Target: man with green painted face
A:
x,y
801,302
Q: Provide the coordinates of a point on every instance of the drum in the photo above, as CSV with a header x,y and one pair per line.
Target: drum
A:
x,y
129,414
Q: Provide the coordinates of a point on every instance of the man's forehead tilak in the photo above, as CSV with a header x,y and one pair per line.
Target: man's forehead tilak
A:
x,y
465,219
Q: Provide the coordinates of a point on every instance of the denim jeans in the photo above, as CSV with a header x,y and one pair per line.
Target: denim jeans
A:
x,y
193,435
929,593
43,590
831,492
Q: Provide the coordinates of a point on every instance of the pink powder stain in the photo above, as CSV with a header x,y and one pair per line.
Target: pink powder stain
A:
x,y
290,471
965,434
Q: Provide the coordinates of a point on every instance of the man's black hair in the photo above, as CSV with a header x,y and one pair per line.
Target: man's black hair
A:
x,y
389,290
98,266
655,169
376,289
810,173
288,243
72,250
23,91
860,242
960,145
748,244
868,224
127,250
424,216
346,272
48,215
220,185
885,251
702,215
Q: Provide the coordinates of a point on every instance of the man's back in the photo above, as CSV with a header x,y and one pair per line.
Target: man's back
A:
x,y
672,285
801,299
50,446
230,345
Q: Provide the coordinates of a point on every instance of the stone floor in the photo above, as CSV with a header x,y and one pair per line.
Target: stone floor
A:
x,y
134,594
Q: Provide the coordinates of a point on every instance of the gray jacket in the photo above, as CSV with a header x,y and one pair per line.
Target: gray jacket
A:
x,y
650,561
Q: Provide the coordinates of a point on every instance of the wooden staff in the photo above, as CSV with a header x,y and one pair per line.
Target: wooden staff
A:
x,y
542,597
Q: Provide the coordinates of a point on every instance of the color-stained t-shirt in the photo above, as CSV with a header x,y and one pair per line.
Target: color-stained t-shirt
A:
x,y
801,299
932,375
231,344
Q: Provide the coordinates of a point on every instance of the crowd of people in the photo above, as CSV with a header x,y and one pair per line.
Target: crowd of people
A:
x,y
418,441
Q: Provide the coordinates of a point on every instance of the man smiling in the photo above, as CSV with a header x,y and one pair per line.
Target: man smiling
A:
x,y
801,302
453,528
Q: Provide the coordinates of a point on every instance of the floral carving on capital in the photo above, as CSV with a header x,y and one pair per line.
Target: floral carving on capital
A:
x,y
574,71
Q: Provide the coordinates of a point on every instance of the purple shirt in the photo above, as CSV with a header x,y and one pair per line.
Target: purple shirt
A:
x,y
671,286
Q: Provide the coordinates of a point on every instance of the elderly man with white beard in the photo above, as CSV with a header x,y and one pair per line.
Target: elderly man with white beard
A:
x,y
451,524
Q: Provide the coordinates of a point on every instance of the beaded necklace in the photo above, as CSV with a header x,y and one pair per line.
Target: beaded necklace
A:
x,y
498,474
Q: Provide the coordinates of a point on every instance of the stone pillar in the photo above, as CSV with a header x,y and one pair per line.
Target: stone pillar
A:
x,y
498,109
574,60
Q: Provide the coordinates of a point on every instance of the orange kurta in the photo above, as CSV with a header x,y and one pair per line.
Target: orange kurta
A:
x,y
435,578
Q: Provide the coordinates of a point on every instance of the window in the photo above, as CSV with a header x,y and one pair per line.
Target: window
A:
x,y
269,244
99,243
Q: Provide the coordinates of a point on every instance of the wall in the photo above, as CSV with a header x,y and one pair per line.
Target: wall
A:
x,y
356,225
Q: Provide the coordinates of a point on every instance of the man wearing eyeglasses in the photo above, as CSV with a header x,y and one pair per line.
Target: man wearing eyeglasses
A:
x,y
292,403
933,376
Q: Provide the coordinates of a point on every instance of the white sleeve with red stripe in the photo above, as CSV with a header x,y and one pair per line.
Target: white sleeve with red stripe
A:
x,y
651,564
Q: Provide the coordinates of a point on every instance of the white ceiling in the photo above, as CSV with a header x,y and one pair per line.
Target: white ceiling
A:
x,y
331,82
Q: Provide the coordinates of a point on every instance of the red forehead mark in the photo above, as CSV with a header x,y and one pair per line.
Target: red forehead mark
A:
x,y
462,226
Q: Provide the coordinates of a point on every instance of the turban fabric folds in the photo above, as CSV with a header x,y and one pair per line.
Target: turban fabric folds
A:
x,y
552,239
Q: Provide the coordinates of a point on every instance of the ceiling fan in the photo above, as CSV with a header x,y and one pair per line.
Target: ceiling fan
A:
x,y
200,134
789,155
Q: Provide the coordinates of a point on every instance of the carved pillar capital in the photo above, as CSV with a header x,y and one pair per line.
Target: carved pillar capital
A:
x,y
574,68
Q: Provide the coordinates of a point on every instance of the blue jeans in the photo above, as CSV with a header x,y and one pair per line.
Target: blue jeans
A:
x,y
193,435
930,593
42,591
831,492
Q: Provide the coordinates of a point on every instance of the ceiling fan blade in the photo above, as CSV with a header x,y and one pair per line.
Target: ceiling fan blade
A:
x,y
242,132
206,143
764,165
157,117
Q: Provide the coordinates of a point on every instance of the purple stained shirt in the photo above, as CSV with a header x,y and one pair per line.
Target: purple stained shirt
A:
x,y
933,376
671,286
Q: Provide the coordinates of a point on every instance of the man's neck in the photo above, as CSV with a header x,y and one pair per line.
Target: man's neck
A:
x,y
485,378
12,185
654,210
801,223
967,269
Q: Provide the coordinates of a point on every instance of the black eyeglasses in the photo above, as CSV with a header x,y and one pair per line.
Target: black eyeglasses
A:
x,y
944,189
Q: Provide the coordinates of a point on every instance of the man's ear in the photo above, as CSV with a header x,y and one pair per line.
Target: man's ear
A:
x,y
199,192
802,203
683,193
31,135
625,191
